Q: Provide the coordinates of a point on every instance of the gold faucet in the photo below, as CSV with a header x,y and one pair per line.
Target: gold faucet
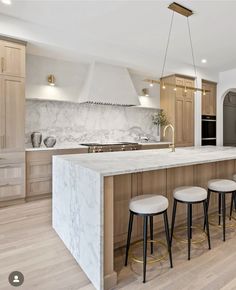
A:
x,y
172,146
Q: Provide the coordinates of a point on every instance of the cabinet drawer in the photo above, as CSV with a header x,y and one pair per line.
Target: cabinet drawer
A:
x,y
10,191
11,172
39,169
39,187
11,158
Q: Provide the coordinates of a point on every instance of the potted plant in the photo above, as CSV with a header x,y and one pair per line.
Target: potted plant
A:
x,y
160,119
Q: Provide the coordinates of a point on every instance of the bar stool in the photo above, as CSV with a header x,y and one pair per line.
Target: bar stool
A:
x,y
233,200
147,206
190,195
222,187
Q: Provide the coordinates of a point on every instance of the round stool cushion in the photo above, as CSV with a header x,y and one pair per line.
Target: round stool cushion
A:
x,y
190,193
222,185
148,204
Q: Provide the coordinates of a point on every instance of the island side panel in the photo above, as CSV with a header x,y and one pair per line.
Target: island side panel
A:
x,y
78,215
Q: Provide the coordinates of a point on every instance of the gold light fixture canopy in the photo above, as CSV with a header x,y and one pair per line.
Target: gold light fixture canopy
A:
x,y
51,80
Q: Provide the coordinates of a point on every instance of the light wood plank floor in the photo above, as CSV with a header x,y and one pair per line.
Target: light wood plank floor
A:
x,y
29,244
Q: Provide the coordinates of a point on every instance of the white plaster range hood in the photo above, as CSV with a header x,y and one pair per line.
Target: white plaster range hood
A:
x,y
110,85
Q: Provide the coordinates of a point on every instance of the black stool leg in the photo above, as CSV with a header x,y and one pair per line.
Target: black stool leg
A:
x,y
231,205
208,202
168,237
207,223
151,233
188,227
145,224
173,220
219,207
131,216
223,211
191,220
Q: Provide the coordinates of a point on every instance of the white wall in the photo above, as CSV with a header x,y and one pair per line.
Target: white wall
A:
x,y
70,78
227,82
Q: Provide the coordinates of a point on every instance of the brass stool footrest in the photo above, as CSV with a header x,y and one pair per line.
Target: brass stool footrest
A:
x,y
193,241
152,258
214,223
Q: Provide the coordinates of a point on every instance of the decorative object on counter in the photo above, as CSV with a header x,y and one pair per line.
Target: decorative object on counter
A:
x,y
51,80
50,141
160,119
36,139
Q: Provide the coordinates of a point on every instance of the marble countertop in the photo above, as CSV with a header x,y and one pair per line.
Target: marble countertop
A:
x,y
59,147
114,163
77,146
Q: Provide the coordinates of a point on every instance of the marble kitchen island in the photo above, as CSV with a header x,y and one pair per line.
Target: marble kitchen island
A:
x,y
91,193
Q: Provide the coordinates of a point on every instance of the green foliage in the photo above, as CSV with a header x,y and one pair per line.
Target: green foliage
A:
x,y
160,118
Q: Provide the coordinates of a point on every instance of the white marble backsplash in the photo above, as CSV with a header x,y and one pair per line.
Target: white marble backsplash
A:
x,y
73,123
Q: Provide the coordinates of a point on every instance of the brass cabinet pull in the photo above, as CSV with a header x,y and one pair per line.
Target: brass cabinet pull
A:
x,y
2,64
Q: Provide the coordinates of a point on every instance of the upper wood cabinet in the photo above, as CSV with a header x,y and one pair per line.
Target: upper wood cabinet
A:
x,y
12,127
209,98
178,104
12,57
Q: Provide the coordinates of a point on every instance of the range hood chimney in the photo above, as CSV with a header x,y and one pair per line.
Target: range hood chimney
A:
x,y
109,85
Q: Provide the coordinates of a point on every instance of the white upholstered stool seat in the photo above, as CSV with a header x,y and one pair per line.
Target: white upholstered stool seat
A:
x,y
190,193
222,185
148,204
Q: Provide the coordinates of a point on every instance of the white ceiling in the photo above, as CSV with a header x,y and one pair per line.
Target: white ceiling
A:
x,y
133,33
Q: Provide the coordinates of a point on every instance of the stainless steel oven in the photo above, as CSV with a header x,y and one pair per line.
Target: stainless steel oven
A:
x,y
208,130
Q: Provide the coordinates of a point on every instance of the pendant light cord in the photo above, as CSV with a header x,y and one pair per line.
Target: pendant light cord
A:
x,y
167,46
193,58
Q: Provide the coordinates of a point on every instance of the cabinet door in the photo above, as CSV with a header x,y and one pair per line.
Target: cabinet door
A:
x,y
209,99
179,113
2,116
13,90
188,123
12,59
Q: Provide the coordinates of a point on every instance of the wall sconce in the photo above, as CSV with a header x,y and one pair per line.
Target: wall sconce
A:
x,y
145,92
51,80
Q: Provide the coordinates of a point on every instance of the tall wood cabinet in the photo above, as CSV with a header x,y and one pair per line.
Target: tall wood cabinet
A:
x,y
178,104
209,98
12,121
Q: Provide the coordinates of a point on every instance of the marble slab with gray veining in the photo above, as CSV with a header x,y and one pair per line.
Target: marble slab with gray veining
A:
x,y
78,202
113,163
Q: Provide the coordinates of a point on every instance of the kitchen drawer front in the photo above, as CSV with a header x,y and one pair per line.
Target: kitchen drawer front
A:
x,y
10,191
39,187
12,173
39,169
11,158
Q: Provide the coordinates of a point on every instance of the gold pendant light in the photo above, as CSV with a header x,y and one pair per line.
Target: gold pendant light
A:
x,y
177,8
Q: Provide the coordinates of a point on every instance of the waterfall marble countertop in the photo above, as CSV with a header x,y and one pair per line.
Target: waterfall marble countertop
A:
x,y
114,163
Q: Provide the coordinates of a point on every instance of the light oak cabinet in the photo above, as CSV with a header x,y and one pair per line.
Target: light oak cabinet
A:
x,y
12,59
209,98
12,177
12,99
149,146
12,122
178,104
39,171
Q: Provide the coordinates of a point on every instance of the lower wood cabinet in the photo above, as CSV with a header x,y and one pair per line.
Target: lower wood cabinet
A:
x,y
39,171
147,146
12,177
